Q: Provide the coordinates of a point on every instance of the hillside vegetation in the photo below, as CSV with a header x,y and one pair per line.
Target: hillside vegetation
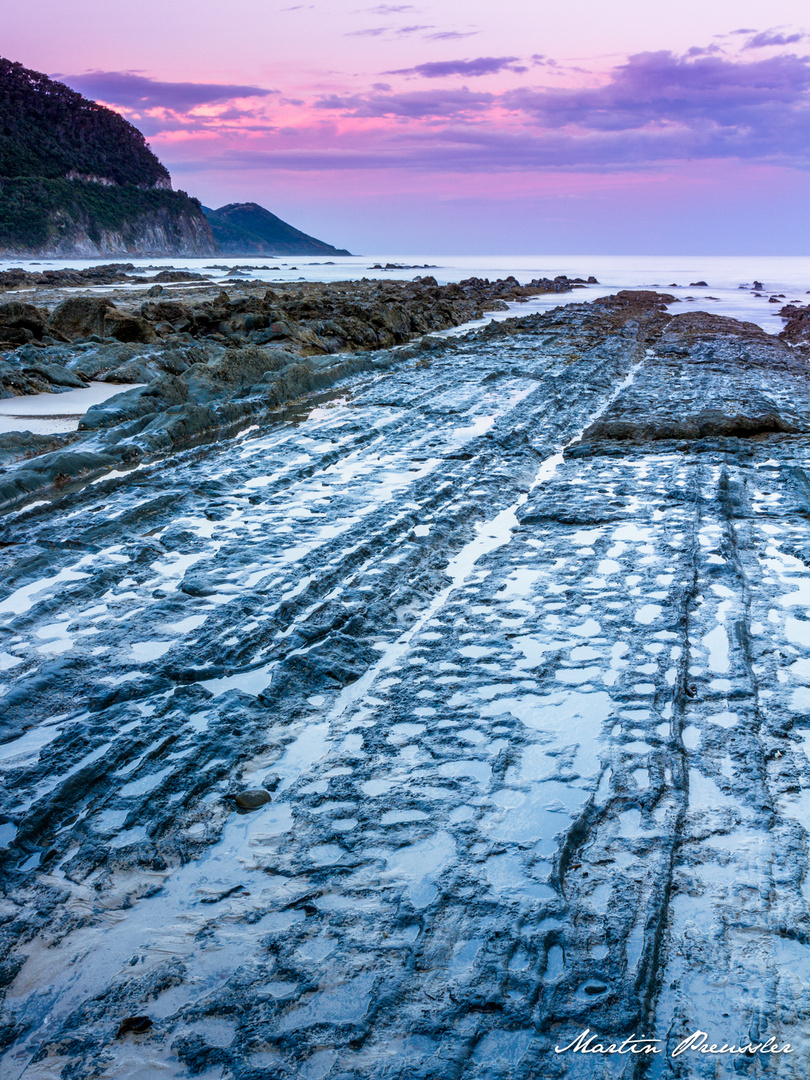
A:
x,y
76,179
249,229
48,130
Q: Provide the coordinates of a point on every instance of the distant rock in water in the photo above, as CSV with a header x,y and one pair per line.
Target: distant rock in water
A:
x,y
249,229
404,266
78,180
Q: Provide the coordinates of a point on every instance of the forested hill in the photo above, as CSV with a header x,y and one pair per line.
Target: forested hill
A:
x,y
50,131
76,179
249,229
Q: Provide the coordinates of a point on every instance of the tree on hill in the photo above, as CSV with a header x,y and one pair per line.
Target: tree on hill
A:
x,y
50,131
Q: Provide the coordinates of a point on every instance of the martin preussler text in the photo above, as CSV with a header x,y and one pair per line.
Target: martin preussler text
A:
x,y
698,1042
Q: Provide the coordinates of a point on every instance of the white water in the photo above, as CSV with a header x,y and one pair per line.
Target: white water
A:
x,y
50,414
776,272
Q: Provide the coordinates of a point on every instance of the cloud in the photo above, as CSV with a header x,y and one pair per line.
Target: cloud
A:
x,y
483,65
419,104
654,108
470,149
769,38
371,31
420,28
452,35
655,89
390,9
378,31
133,90
158,122
655,92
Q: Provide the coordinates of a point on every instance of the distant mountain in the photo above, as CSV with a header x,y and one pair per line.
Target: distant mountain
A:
x,y
249,229
77,179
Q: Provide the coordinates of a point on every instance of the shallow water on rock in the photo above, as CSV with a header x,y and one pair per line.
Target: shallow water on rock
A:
x,y
533,721
46,414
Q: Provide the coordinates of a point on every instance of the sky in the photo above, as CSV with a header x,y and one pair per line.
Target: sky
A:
x,y
458,126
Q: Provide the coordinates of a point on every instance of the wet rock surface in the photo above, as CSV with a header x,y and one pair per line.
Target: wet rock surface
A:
x,y
506,647
317,317
207,362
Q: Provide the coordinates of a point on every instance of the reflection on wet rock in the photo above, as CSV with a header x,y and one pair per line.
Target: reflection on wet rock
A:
x,y
513,672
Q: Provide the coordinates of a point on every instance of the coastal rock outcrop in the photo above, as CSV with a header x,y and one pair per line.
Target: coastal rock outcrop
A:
x,y
210,359
84,316
20,323
721,378
797,325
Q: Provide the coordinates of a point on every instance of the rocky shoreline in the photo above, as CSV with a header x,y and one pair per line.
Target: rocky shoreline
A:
x,y
415,736
209,358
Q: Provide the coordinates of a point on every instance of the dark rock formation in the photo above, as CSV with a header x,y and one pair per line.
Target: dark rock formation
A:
x,y
20,323
102,274
83,316
722,378
797,328
404,266
314,317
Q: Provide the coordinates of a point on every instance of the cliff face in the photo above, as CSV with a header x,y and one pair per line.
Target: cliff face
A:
x,y
153,233
83,219
76,179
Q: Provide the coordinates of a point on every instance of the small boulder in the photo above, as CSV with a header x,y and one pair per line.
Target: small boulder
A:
x,y
14,382
155,397
137,1025
251,798
21,322
55,374
235,370
15,335
167,311
96,362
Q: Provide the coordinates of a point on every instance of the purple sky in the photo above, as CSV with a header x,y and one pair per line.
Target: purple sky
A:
x,y
451,126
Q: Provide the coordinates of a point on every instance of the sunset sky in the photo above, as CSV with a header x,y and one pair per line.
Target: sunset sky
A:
x,y
469,127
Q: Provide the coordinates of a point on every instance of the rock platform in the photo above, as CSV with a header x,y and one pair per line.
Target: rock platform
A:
x,y
412,730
